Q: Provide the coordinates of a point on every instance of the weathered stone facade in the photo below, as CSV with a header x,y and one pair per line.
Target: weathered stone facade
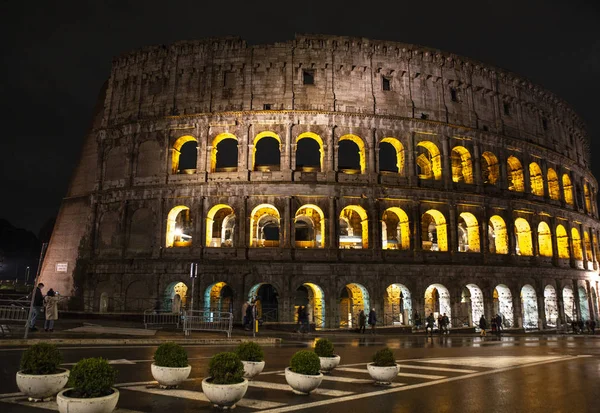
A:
x,y
489,205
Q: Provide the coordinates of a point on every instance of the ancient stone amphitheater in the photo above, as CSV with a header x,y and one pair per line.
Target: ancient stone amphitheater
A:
x,y
334,172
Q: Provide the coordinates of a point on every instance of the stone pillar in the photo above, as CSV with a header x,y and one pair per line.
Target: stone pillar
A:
x,y
576,299
416,221
541,311
375,232
410,161
293,156
159,234
284,233
446,170
243,225
452,228
560,303
333,239
554,241
370,155
517,309
330,152
484,238
588,288
201,224
476,165
535,240
526,176
248,148
203,151
510,229
503,181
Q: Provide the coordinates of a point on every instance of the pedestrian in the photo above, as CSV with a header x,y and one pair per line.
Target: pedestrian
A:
x,y
482,325
429,326
417,320
440,322
38,304
499,327
593,326
587,326
580,325
372,320
176,304
244,316
299,319
51,307
445,323
304,320
249,316
574,326
362,321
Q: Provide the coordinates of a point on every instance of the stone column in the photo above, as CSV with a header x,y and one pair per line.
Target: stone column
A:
x,y
554,241
503,181
446,170
370,155
484,238
588,288
576,299
541,311
510,230
476,165
560,303
203,148
243,224
535,244
517,310
333,240
452,228
526,176
284,233
416,221
410,161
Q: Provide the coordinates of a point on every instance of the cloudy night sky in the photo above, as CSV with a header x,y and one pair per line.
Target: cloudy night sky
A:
x,y
56,55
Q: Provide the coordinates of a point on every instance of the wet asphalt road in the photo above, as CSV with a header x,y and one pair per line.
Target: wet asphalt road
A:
x,y
450,374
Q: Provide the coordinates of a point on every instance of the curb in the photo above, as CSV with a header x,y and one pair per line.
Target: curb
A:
x,y
137,341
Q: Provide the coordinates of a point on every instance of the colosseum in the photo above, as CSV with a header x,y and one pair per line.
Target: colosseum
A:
x,y
334,172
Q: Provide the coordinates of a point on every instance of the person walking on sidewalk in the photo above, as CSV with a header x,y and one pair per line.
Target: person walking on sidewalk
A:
x,y
372,320
362,322
482,325
51,306
445,323
429,326
38,305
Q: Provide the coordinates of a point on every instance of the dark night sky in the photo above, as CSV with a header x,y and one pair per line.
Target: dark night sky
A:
x,y
56,55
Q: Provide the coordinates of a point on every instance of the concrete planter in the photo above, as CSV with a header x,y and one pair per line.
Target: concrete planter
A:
x,y
105,404
224,396
383,375
329,363
169,377
40,386
302,383
252,368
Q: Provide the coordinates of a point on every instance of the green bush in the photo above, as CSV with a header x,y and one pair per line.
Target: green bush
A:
x,y
92,377
324,348
250,351
305,362
226,368
41,358
170,355
384,358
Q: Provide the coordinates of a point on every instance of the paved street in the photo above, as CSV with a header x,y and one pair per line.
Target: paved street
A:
x,y
450,374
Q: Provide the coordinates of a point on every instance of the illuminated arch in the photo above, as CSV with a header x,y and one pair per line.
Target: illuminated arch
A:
x,y
317,218
213,152
219,224
316,138
397,305
312,296
515,175
263,215
498,235
562,242
576,240
569,304
529,307
218,297
176,151
434,231
350,240
257,138
595,241
490,168
536,179
524,245
265,298
551,306
584,307
395,232
588,246
399,148
553,186
470,226
361,149
462,165
437,301
544,239
567,189
473,295
588,199
429,162
178,227
503,304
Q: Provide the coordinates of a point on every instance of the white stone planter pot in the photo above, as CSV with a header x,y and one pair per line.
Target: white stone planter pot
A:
x,y
105,404
252,368
40,386
383,375
224,396
302,383
168,377
329,363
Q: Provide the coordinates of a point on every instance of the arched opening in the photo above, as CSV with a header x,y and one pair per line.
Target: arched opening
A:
x,y
351,155
397,307
544,239
434,231
179,227
472,299
594,304
497,235
562,242
569,305
218,297
175,297
266,299
530,307
353,298
468,233
103,307
391,156
553,186
503,305
584,307
429,161
224,153
515,177
523,244
595,246
264,226
462,165
220,226
588,199
536,179
551,306
576,240
395,234
312,297
309,152
354,228
266,156
437,301
567,189
309,227
490,168
185,155
588,247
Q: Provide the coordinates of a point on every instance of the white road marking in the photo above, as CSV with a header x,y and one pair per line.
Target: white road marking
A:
x,y
493,361
51,405
407,366
286,387
401,374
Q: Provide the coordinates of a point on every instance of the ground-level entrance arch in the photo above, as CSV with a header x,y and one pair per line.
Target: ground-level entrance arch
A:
x,y
530,307
218,297
353,298
584,307
397,305
312,297
472,299
175,297
437,301
265,298
503,305
550,306
569,305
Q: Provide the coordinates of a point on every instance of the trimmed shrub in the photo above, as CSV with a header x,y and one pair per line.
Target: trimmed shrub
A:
x,y
92,377
324,348
306,362
226,368
170,355
384,358
250,351
41,358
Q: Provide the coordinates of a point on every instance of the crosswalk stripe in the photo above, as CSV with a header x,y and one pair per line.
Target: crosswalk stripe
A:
x,y
406,366
286,387
413,375
51,405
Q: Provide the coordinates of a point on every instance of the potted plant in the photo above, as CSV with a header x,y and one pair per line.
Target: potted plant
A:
x,y
252,357
91,388
226,384
324,349
39,375
170,367
304,374
383,369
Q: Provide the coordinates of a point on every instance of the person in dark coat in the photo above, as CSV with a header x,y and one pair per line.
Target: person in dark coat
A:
x,y
304,320
372,320
38,304
362,321
429,326
482,325
417,320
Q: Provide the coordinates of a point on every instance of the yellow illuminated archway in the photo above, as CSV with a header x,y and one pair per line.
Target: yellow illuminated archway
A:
x,y
395,232
257,213
316,138
472,232
462,166
176,151
210,220
399,152
588,246
515,175
595,241
490,168
536,179
430,162
361,149
499,236
553,186
315,305
524,241
562,242
439,220
309,210
576,240
567,189
175,236
213,153
347,214
257,138
588,199
544,239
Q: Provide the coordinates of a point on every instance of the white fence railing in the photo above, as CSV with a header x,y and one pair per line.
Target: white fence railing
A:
x,y
207,321
12,314
161,318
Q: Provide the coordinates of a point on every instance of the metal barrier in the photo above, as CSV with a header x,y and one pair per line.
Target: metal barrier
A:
x,y
12,313
157,317
207,321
